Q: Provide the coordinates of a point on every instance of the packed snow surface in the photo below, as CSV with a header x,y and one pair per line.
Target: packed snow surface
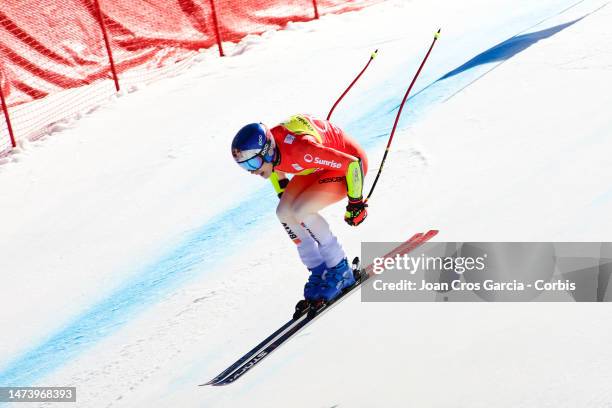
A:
x,y
138,261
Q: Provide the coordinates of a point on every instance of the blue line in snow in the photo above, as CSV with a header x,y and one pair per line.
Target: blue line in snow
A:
x,y
199,252
377,124
509,48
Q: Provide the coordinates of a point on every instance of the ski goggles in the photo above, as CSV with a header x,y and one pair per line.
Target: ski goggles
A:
x,y
252,164
266,155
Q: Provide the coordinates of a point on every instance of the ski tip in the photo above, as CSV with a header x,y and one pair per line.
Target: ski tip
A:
x,y
415,237
221,383
211,382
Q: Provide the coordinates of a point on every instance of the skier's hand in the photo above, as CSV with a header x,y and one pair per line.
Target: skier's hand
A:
x,y
356,212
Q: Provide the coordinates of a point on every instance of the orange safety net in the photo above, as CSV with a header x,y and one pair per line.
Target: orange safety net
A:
x,y
56,55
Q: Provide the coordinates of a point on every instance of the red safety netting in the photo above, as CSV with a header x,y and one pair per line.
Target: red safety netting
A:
x,y
236,20
59,58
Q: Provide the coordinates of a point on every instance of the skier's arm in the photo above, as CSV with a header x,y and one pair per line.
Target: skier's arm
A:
x,y
354,181
279,181
356,210
328,158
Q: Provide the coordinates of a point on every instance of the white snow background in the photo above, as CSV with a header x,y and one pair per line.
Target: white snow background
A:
x,y
138,260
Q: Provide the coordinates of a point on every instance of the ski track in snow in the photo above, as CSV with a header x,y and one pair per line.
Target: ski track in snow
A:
x,y
188,261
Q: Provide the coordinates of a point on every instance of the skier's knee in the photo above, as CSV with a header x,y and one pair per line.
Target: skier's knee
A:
x,y
300,212
283,212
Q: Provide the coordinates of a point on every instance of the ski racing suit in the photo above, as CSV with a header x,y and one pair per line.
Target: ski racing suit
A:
x,y
327,166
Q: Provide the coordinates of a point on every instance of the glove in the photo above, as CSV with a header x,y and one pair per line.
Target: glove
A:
x,y
356,211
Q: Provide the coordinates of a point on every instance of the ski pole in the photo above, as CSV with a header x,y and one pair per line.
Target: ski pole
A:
x,y
372,56
382,163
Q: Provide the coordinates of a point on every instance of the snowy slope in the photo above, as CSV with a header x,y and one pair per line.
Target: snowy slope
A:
x,y
129,272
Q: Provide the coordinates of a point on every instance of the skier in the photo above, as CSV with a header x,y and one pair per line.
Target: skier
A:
x,y
327,165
